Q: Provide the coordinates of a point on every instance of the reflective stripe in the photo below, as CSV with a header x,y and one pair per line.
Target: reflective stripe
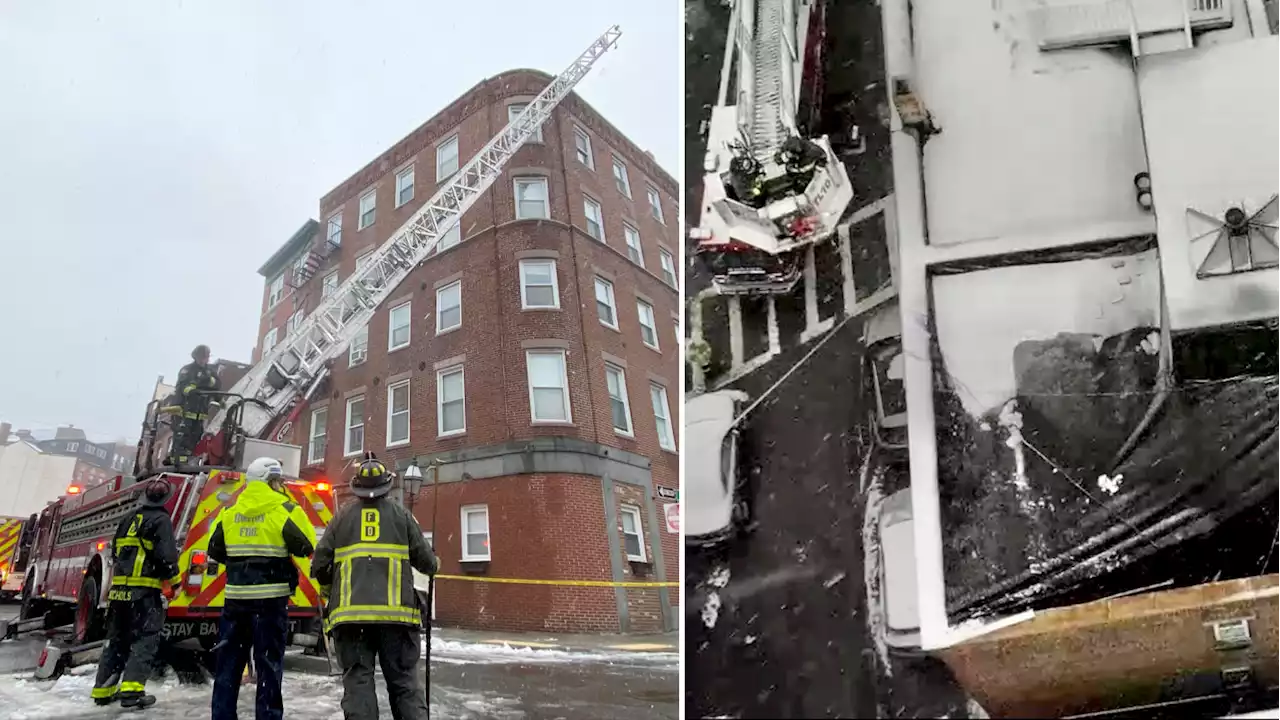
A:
x,y
255,592
135,542
127,581
378,550
374,613
100,693
131,686
257,551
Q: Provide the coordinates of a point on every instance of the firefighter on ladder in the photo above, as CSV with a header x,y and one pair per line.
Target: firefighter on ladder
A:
x,y
256,539
367,546
194,379
145,563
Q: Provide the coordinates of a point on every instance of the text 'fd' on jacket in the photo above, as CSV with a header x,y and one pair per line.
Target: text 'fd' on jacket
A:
x,y
364,561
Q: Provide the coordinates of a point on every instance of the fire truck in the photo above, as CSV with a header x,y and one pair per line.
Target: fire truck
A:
x,y
770,189
13,555
70,569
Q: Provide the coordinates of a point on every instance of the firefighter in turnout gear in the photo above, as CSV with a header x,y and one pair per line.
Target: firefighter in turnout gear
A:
x,y
365,556
256,540
145,561
194,380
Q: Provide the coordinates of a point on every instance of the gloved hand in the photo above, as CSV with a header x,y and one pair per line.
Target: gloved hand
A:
x,y
169,590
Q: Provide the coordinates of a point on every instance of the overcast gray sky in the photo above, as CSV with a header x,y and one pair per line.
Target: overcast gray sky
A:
x,y
154,153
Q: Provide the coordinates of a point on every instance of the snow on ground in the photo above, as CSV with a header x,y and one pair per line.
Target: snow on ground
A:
x,y
465,653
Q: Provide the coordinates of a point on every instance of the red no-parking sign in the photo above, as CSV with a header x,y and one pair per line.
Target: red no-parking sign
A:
x,y
673,518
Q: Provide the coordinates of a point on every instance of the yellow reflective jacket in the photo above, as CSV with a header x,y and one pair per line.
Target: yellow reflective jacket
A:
x,y
257,539
365,556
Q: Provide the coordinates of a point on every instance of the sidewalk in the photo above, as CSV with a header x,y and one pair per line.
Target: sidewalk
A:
x,y
664,642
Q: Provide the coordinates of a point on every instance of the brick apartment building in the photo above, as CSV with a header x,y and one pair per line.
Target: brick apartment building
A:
x,y
535,357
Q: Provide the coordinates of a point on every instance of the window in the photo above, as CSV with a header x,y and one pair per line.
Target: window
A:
x,y
450,238
648,329
655,205
475,533
358,351
334,231
595,218
449,307
294,321
398,327
548,386
632,533
582,145
275,291
619,406
364,258
538,287
319,435
515,110
451,403
447,158
355,427
268,341
329,284
300,273
620,177
662,417
606,308
633,244
404,186
531,198
398,414
668,267
368,209
675,326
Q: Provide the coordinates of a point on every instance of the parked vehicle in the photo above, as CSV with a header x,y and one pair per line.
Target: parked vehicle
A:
x,y
717,507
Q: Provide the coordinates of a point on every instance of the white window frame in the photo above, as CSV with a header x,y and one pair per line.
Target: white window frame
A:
x,y
295,320
613,301
652,325
590,206
372,196
515,109
326,287
275,291
585,148
634,513
635,253
347,451
621,374
440,328
333,230
655,204
359,346
451,238
468,556
440,377
620,177
269,340
546,196
407,307
564,386
323,435
657,391
408,431
668,263
524,285
365,258
441,175
401,186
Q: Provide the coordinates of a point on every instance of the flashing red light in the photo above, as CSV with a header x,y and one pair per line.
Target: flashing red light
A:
x,y
198,557
322,486
101,545
73,490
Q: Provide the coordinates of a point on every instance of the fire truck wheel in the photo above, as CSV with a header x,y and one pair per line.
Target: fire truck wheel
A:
x,y
88,617
32,607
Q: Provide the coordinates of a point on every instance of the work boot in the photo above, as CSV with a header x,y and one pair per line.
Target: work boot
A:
x,y
104,700
138,702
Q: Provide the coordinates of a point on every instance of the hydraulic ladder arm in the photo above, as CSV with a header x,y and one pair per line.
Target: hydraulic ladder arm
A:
x,y
290,372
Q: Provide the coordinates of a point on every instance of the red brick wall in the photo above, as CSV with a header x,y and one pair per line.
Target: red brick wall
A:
x,y
644,606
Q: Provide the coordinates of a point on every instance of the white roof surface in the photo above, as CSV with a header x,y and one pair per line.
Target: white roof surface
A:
x,y
708,502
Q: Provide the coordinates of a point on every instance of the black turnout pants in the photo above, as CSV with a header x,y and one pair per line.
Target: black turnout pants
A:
x,y
397,648
133,638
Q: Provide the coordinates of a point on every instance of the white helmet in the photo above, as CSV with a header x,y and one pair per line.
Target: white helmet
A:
x,y
264,469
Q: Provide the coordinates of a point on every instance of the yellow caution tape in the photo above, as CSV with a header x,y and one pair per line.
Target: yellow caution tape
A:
x,y
569,583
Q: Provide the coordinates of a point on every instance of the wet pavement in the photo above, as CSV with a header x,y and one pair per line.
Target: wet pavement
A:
x,y
789,636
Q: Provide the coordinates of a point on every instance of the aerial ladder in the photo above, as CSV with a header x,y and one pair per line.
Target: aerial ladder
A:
x,y
769,191
290,373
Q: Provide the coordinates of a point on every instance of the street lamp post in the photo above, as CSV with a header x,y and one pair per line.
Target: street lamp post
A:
x,y
412,483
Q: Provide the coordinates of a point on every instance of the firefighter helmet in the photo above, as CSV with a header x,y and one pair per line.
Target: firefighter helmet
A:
x,y
156,493
372,479
264,469
201,351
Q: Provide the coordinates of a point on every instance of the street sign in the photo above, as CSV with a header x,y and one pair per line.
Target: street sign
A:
x,y
673,517
668,493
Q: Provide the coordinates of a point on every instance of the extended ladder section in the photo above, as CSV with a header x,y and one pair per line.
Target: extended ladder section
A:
x,y
300,363
772,111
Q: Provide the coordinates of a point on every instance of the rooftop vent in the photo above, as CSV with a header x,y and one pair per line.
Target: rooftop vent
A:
x,y
1242,239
